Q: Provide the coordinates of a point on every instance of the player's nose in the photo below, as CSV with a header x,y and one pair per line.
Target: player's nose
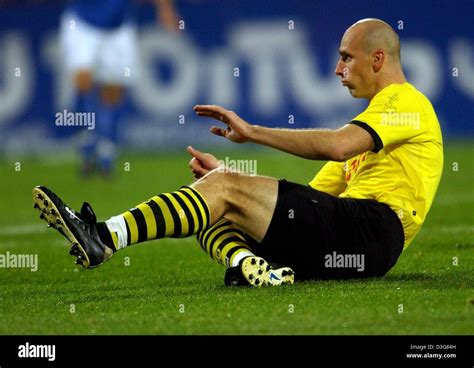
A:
x,y
339,68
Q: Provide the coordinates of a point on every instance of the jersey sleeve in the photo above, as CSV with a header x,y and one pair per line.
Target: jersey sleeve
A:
x,y
330,179
391,118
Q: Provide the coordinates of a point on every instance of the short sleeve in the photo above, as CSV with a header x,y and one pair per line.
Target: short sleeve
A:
x,y
392,117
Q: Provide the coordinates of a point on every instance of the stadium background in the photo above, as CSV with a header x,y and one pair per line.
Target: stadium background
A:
x,y
170,286
285,75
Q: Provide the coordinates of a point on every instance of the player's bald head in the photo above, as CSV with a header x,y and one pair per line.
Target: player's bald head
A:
x,y
374,34
370,58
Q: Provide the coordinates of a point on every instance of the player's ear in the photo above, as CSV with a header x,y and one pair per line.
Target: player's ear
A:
x,y
378,58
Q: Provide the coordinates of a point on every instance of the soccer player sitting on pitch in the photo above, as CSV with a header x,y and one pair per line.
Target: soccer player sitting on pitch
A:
x,y
353,220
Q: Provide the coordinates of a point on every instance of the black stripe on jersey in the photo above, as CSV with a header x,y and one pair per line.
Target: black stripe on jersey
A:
x,y
378,144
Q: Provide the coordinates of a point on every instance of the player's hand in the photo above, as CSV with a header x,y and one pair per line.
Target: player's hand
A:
x,y
201,163
238,130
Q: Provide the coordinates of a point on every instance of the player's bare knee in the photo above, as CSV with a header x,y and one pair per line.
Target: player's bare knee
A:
x,y
218,179
111,94
83,81
232,186
224,185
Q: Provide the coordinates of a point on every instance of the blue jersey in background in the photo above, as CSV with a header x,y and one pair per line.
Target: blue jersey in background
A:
x,y
104,13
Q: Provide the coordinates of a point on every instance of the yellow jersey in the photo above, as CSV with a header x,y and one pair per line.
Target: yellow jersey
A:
x,y
405,167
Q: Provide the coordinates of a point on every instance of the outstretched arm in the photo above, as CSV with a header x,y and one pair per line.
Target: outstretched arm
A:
x,y
315,144
166,14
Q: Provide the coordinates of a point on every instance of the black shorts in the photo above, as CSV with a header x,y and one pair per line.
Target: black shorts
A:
x,y
324,237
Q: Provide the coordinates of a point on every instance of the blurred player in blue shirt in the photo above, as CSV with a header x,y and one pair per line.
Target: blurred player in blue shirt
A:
x,y
99,41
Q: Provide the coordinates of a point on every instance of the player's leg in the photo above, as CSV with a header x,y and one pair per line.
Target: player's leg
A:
x,y
225,243
85,101
230,203
325,237
228,245
108,118
83,81
79,43
247,201
116,72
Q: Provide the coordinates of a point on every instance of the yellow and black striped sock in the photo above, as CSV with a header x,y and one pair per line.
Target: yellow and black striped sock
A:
x,y
225,243
177,214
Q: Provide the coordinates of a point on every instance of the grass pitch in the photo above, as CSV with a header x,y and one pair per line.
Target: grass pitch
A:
x,y
171,287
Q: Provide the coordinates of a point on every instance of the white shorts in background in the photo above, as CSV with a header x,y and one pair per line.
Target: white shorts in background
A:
x,y
109,54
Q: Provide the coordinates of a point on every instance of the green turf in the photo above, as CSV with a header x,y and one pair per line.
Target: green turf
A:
x,y
172,287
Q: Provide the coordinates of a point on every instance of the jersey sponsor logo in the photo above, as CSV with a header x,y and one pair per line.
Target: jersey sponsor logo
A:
x,y
354,165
